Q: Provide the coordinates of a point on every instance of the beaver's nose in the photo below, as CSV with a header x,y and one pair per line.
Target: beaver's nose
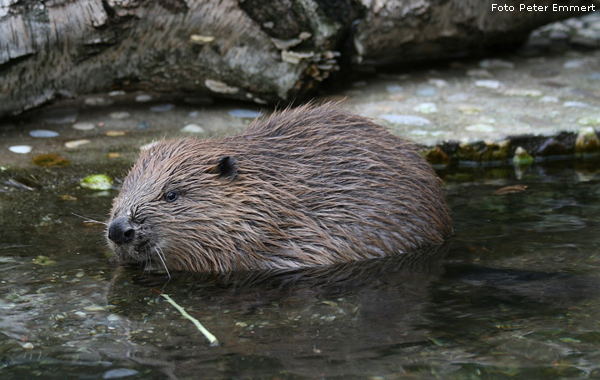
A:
x,y
121,230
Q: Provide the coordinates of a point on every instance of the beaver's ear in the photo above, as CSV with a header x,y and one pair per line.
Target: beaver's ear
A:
x,y
226,168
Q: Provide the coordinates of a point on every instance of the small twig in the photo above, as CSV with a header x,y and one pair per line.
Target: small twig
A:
x,y
211,338
89,220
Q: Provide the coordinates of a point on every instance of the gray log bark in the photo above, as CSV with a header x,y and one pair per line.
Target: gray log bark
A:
x,y
415,30
262,51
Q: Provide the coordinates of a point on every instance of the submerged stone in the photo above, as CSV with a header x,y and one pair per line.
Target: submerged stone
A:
x,y
192,128
587,141
244,114
493,84
521,157
142,98
480,128
84,126
43,260
484,151
97,182
552,147
426,108
496,64
43,133
437,156
590,120
21,149
119,373
163,107
119,115
394,89
76,143
577,105
143,125
97,102
50,160
525,92
426,91
417,121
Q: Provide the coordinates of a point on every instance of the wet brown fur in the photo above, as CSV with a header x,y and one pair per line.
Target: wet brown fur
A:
x,y
308,186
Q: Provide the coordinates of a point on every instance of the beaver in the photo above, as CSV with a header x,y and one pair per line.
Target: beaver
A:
x,y
308,186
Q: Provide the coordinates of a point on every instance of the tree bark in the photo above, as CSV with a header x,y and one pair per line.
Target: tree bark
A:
x,y
417,30
253,50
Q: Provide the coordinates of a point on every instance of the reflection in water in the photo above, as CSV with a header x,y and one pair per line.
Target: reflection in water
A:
x,y
515,293
306,322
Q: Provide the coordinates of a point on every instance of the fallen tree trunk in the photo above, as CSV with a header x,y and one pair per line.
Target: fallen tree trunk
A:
x,y
248,49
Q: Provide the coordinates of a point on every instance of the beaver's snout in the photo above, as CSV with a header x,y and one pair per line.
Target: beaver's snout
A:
x,y
121,231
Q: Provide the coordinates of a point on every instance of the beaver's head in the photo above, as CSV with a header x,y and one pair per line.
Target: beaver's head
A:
x,y
168,205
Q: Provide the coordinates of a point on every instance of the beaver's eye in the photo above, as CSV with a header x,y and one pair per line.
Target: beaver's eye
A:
x,y
171,196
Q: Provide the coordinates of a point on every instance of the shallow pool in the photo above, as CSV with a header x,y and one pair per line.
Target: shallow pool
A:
x,y
515,294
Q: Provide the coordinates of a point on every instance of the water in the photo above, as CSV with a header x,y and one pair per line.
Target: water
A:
x,y
515,296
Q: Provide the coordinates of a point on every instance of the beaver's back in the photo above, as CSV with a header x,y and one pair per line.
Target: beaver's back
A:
x,y
365,192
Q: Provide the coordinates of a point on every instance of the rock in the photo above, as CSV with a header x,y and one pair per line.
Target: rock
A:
x,y
163,107
587,141
437,156
97,101
590,120
119,373
76,143
480,128
469,109
552,147
143,125
521,157
577,104
574,64
426,91
394,89
42,133
119,115
522,92
479,73
21,149
439,83
97,182
50,160
493,84
61,115
406,119
426,108
115,133
193,128
244,114
84,126
143,98
484,151
496,64
549,99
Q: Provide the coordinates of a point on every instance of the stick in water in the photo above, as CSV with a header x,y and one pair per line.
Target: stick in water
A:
x,y
211,338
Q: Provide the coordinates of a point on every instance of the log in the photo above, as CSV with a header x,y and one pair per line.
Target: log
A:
x,y
422,30
265,52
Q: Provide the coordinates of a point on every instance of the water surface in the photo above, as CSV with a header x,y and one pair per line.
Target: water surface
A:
x,y
513,295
